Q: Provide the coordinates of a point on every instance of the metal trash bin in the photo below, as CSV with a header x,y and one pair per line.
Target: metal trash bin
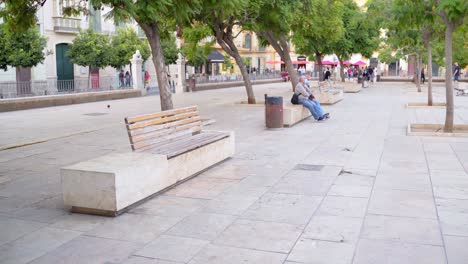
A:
x,y
273,111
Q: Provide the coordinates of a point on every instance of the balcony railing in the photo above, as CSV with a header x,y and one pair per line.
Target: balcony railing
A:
x,y
66,24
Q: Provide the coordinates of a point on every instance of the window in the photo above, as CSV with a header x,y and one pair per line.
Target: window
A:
x,y
248,41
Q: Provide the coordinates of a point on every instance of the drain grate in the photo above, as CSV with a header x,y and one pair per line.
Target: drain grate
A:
x,y
308,167
95,114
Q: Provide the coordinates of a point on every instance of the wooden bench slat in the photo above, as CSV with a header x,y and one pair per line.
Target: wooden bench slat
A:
x,y
187,144
194,126
144,130
158,121
144,145
181,143
161,114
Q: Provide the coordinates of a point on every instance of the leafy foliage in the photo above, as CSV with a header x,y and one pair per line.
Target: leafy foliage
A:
x,y
90,49
124,44
170,49
21,49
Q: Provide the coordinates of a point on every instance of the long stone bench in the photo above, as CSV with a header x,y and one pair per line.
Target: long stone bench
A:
x,y
352,88
293,114
328,97
169,147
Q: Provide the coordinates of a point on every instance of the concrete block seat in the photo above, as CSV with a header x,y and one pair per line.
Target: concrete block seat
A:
x,y
352,88
328,97
293,114
168,148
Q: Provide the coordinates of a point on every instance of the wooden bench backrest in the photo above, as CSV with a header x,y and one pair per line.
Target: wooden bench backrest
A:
x,y
151,130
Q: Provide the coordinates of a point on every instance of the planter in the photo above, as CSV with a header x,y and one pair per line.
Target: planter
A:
x,y
436,130
425,105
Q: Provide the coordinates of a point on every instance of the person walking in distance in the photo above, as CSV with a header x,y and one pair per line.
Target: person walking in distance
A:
x,y
328,77
121,78
456,74
128,79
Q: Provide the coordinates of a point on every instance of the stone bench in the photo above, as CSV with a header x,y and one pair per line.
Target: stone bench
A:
x,y
353,88
293,114
168,147
328,97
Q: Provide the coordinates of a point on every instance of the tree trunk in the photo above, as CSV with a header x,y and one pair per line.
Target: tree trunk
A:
x,y
427,44
448,78
343,79
287,60
429,75
152,33
417,76
226,42
318,57
281,47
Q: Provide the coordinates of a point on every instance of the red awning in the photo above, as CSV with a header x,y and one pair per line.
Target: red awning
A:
x,y
300,62
274,62
359,63
325,62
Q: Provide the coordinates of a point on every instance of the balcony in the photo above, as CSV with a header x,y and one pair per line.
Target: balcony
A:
x,y
67,25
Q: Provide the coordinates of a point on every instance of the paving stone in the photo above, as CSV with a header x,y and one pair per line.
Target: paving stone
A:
x,y
404,181
454,223
354,180
267,236
343,206
456,249
402,203
283,208
172,248
303,185
321,252
443,161
144,260
202,226
214,254
379,251
452,205
134,227
334,228
10,254
202,188
229,204
90,250
45,239
410,230
79,222
169,206
12,229
350,191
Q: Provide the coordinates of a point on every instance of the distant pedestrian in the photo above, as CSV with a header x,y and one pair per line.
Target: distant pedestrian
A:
x,y
423,77
456,74
128,79
122,78
327,77
147,78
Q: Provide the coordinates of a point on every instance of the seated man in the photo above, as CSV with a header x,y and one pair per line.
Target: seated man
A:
x,y
307,99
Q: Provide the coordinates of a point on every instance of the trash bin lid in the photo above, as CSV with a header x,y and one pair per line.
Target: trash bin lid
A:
x,y
274,100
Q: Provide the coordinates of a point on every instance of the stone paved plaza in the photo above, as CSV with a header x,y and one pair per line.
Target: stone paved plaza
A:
x,y
354,189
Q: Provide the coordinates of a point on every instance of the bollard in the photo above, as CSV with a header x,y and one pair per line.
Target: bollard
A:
x,y
273,111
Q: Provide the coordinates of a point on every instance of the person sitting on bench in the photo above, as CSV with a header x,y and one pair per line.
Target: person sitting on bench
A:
x,y
307,99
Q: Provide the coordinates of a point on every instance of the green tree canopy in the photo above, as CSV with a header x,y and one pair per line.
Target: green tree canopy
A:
x,y
124,44
90,49
171,52
319,26
21,49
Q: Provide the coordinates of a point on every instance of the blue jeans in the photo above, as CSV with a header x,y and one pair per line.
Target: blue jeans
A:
x,y
313,106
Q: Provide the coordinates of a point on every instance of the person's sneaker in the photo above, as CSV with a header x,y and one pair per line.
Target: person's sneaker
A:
x,y
321,118
326,115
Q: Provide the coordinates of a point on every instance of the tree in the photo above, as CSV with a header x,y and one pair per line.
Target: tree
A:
x,y
319,25
21,49
90,49
222,17
359,36
273,24
124,44
416,14
453,13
